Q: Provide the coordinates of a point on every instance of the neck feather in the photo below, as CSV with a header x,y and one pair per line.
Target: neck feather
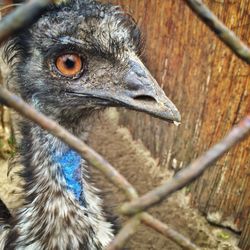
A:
x,y
69,163
62,209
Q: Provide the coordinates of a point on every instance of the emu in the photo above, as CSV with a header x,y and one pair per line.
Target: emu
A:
x,y
76,60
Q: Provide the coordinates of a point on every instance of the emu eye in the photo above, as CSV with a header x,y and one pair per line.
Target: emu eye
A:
x,y
69,65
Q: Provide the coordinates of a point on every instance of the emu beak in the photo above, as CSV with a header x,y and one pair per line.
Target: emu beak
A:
x,y
142,93
138,91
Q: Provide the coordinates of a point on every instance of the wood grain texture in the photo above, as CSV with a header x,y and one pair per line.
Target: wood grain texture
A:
x,y
211,87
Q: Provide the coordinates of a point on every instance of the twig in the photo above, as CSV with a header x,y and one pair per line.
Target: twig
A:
x,y
225,34
9,6
125,233
130,228
168,232
55,129
21,17
190,173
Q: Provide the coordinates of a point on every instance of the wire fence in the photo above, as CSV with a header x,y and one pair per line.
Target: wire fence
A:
x,y
137,206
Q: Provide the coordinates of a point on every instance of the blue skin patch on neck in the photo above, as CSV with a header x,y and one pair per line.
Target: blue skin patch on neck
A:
x,y
70,164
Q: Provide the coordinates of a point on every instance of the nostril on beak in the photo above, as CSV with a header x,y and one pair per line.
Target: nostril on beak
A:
x,y
145,98
133,82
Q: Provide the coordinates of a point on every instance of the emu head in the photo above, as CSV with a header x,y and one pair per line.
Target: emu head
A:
x,y
83,56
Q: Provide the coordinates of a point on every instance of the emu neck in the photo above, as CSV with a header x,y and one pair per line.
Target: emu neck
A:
x,y
62,209
50,161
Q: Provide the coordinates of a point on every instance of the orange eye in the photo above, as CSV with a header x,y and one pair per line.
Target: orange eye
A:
x,y
69,65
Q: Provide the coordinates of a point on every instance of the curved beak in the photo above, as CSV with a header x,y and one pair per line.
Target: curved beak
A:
x,y
138,91
143,93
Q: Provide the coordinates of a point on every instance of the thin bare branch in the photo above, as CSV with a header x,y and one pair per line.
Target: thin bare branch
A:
x,y
22,17
190,173
125,233
9,6
147,219
55,129
168,232
226,35
130,228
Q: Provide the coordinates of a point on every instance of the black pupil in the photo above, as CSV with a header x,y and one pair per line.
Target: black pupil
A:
x,y
69,63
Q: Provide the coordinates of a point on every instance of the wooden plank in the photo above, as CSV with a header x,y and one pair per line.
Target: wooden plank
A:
x,y
211,87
